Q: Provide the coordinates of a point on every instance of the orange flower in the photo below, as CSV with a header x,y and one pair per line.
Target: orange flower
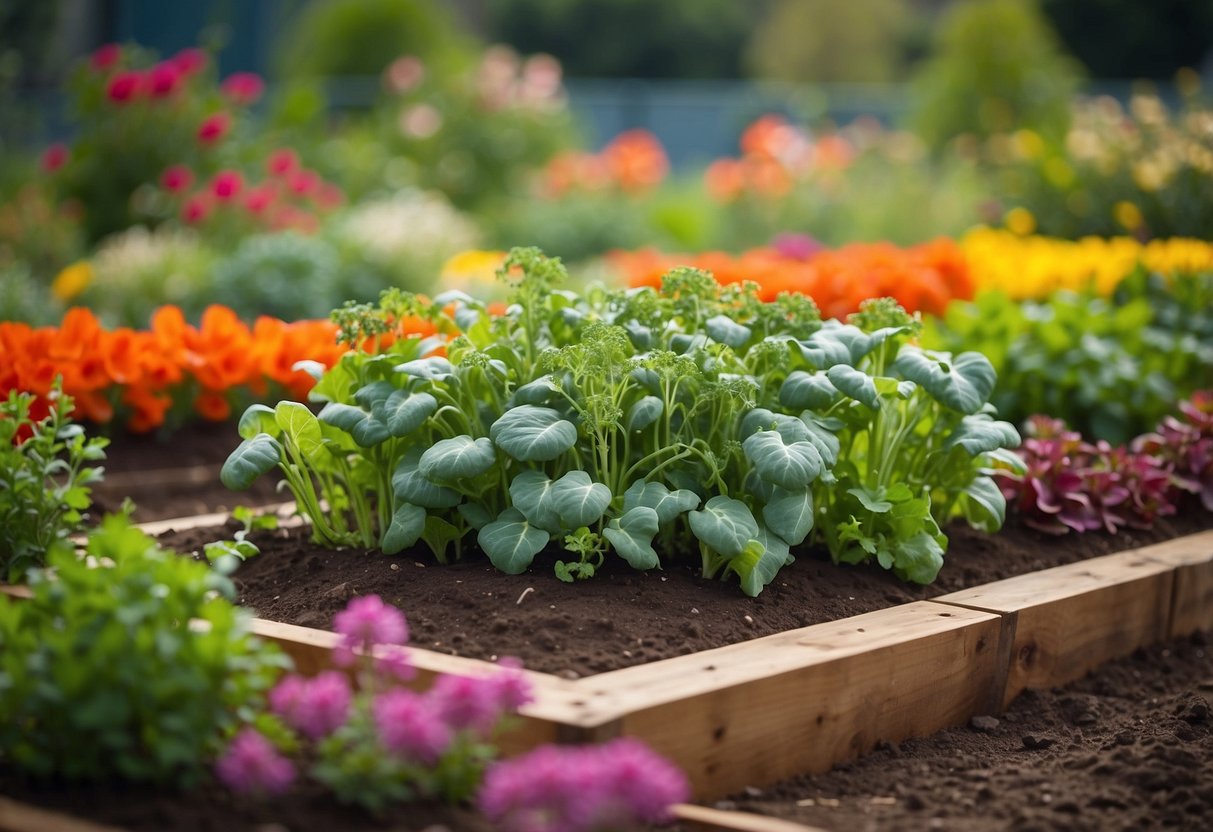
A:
x,y
212,405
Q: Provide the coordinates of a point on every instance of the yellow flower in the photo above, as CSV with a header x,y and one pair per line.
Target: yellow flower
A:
x,y
1020,221
1029,143
1128,215
72,280
473,271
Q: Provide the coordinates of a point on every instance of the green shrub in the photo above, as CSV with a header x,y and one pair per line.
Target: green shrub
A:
x,y
126,663
44,478
996,66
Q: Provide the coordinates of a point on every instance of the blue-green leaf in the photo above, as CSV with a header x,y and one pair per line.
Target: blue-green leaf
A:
x,y
372,394
458,458
474,514
409,485
408,524
918,558
342,416
403,412
790,465
963,383
668,504
533,434
984,505
631,535
725,330
789,514
532,493
540,391
757,565
434,368
258,419
854,383
725,525
643,413
807,391
579,500
511,542
252,458
979,433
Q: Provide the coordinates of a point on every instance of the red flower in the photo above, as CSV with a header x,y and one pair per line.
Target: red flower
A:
x,y
214,127
282,161
196,209
55,157
105,57
242,88
258,199
329,196
163,79
303,181
176,179
124,86
227,185
189,61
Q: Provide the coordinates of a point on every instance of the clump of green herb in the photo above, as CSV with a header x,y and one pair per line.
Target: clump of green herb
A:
x,y
44,478
128,662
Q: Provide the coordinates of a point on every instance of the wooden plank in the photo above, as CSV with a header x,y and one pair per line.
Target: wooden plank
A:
x,y
1192,597
693,817
1070,619
757,712
21,817
287,518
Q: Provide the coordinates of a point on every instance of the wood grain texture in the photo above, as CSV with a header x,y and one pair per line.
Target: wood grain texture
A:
x,y
804,700
1192,598
703,819
21,817
1070,619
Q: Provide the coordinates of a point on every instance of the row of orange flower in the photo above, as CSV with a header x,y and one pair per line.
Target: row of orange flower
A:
x,y
142,374
922,278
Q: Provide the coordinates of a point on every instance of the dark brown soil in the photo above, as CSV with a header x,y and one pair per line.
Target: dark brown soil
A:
x,y
1129,747
620,617
177,475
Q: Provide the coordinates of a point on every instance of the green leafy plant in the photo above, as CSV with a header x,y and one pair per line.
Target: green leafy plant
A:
x,y
240,547
105,671
1109,367
694,418
44,478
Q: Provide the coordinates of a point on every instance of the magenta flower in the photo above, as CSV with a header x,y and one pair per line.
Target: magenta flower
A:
x,y
256,200
465,703
176,179
251,764
408,726
242,88
55,157
163,80
189,61
214,127
106,57
282,161
579,789
315,707
371,621
124,87
196,209
302,181
227,185
796,246
394,662
511,688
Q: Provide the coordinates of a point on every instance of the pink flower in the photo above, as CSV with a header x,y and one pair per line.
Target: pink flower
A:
x,y
511,688
409,727
404,74
577,789
329,196
163,79
176,179
302,181
214,127
242,88
227,185
282,161
315,707
189,61
252,764
256,200
124,86
465,703
106,57
196,209
369,621
55,157
394,662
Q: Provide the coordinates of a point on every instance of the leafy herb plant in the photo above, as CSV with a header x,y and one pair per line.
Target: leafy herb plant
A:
x,y
44,478
104,672
690,418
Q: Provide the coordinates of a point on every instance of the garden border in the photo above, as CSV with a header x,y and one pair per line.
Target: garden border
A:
x,y
806,699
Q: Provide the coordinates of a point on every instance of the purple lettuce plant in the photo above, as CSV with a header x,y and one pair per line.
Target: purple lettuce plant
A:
x,y
378,744
1187,444
615,786
1073,485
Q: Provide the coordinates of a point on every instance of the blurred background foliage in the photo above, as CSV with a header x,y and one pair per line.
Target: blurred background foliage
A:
x,y
392,135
